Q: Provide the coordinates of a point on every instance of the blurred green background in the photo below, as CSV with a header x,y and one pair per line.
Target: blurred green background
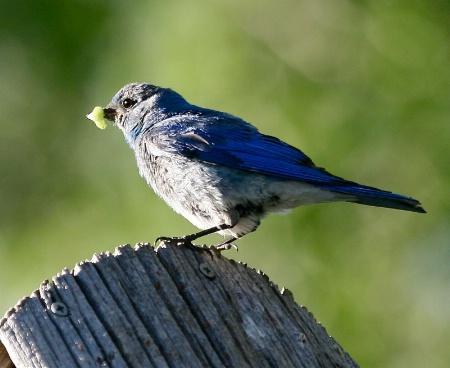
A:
x,y
363,87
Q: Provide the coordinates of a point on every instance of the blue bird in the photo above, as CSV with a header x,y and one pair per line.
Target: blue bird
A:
x,y
219,171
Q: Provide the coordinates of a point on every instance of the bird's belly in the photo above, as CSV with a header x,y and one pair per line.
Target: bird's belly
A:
x,y
210,195
191,188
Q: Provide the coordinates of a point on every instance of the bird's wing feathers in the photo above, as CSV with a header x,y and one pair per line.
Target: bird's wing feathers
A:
x,y
241,147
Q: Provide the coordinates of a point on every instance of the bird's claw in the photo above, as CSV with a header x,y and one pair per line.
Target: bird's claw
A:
x,y
186,241
168,239
221,247
183,241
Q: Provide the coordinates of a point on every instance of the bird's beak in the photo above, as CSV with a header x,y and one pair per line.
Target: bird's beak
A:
x,y
109,113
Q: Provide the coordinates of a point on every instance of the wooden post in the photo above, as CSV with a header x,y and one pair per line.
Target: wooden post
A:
x,y
169,307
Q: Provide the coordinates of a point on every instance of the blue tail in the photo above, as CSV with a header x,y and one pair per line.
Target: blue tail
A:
x,y
376,197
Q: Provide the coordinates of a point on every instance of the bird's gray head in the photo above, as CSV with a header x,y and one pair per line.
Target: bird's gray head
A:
x,y
139,104
127,100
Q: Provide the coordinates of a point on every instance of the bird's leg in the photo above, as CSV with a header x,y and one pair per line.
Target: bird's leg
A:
x,y
187,240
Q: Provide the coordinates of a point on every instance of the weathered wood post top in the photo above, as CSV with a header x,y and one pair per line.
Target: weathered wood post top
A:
x,y
169,307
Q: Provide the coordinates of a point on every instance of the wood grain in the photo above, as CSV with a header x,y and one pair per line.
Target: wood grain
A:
x,y
169,307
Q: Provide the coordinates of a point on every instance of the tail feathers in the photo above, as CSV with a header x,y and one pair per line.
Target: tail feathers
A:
x,y
379,198
399,203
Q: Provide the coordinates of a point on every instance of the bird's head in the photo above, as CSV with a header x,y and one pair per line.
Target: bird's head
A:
x,y
136,105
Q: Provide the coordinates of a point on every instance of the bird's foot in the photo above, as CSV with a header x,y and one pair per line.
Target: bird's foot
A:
x,y
226,245
186,241
182,241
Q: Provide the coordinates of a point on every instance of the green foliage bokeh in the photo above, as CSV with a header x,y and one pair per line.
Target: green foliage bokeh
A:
x,y
362,87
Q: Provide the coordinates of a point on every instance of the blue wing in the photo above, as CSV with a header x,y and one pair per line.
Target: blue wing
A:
x,y
231,142
236,144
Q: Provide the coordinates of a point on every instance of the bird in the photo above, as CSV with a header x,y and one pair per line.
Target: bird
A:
x,y
218,171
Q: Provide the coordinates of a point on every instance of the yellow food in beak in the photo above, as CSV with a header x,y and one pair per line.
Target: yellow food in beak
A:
x,y
98,117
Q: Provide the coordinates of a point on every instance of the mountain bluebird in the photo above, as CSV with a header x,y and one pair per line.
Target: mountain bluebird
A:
x,y
219,171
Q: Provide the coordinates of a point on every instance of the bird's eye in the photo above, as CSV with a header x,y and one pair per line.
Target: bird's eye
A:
x,y
128,102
